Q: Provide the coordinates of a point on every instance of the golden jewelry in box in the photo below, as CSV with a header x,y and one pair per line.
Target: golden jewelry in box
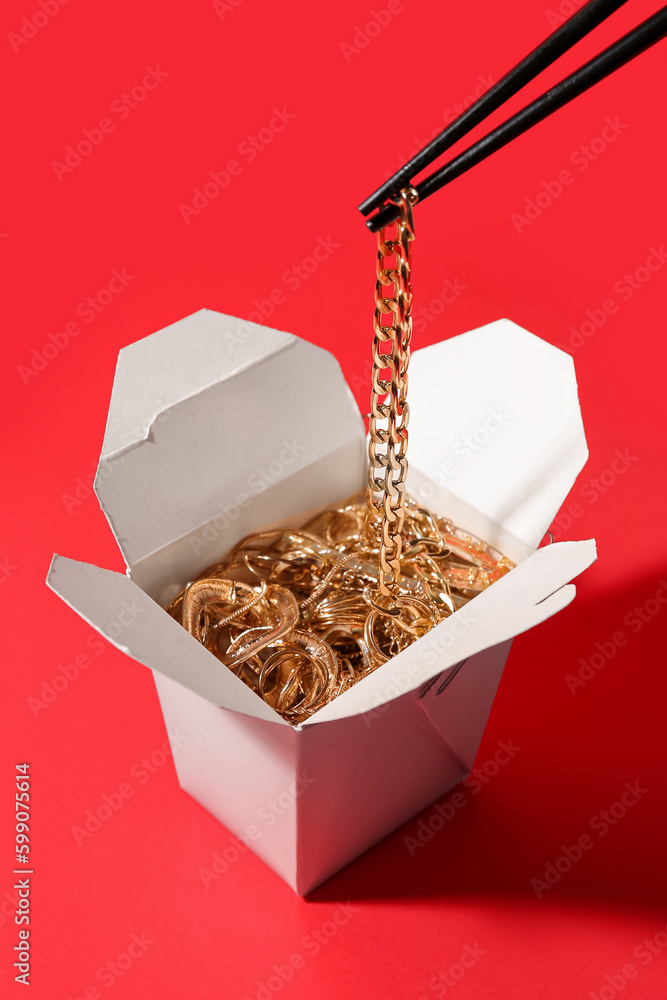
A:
x,y
300,616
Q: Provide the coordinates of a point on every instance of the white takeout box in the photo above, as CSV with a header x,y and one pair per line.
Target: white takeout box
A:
x,y
218,427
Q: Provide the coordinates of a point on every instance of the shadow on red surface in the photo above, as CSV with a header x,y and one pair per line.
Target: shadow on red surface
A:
x,y
578,807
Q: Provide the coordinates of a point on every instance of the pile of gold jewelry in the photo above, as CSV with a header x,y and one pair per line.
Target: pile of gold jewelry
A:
x,y
303,615
297,614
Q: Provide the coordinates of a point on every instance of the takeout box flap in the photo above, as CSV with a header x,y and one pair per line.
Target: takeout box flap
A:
x,y
528,595
205,412
126,616
495,420
202,408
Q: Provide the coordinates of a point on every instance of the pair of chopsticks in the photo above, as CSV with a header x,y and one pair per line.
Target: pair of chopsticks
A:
x,y
610,59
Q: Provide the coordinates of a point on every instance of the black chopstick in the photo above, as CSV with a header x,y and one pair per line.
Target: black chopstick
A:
x,y
574,29
626,48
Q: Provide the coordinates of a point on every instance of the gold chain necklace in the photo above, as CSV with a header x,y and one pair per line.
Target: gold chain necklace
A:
x,y
302,615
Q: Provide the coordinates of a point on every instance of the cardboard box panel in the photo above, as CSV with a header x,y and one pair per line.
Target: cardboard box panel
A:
x,y
234,427
494,416
309,802
135,624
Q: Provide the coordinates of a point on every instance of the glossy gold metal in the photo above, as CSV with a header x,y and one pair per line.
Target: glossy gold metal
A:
x,y
302,615
390,413
299,617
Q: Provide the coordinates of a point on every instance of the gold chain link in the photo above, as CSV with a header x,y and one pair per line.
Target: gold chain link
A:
x,y
388,423
301,615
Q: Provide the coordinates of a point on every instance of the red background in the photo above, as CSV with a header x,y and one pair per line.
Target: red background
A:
x,y
355,119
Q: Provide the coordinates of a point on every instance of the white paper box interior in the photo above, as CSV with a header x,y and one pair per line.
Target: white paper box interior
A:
x,y
218,427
